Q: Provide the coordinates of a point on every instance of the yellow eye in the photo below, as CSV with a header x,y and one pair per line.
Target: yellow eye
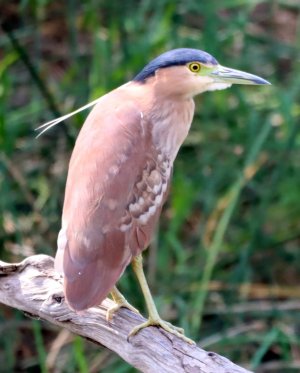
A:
x,y
195,67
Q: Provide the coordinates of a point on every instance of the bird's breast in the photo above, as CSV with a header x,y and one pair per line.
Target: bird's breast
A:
x,y
171,122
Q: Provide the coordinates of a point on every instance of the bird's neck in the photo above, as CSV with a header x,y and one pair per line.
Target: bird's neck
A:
x,y
168,117
170,121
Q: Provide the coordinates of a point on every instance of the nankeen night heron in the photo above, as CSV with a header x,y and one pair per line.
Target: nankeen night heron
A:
x,y
120,171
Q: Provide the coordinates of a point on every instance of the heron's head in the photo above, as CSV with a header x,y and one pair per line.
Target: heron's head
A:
x,y
188,72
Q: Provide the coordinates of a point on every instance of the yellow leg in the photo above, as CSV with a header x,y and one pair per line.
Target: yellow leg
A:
x,y
154,318
120,301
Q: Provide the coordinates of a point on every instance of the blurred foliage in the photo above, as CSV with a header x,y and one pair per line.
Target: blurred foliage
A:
x,y
225,264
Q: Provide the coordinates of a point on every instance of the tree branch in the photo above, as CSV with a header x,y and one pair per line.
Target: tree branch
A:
x,y
35,288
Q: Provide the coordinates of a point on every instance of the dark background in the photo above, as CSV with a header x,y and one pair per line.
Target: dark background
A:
x,y
225,262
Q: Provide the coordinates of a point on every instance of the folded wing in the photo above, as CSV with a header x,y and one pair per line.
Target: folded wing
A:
x,y
104,220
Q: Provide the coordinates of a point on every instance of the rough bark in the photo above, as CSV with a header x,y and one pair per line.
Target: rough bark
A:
x,y
35,288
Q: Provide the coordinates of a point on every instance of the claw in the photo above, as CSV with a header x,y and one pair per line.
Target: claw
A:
x,y
110,312
179,332
120,301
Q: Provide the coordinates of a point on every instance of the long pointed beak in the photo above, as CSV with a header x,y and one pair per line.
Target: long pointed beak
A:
x,y
227,75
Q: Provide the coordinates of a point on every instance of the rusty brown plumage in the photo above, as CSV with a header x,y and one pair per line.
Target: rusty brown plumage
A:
x,y
110,216
120,172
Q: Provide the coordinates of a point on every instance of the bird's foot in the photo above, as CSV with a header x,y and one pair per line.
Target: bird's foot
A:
x,y
179,332
121,302
111,311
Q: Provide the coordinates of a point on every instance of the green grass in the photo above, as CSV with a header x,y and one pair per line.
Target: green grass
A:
x,y
229,233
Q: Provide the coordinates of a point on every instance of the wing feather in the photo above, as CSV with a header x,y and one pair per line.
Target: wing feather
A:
x,y
112,202
92,250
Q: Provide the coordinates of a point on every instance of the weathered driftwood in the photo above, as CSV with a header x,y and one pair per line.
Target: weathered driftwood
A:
x,y
34,287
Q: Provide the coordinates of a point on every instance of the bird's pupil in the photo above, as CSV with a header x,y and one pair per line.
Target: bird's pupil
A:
x,y
195,67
